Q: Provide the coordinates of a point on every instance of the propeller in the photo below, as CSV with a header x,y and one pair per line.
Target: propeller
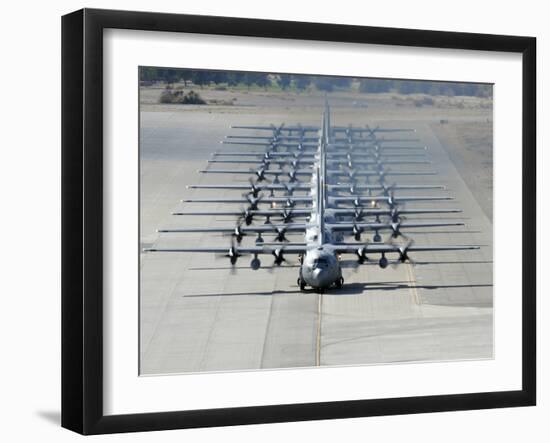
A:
x,y
254,190
391,199
287,216
260,173
280,236
403,253
389,190
361,255
358,214
290,203
246,216
372,131
357,231
396,232
232,254
395,215
279,259
294,163
253,201
238,234
289,188
292,175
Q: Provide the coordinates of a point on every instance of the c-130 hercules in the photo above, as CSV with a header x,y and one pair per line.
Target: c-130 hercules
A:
x,y
323,244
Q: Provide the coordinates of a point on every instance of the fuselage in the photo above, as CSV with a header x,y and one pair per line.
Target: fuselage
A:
x,y
320,267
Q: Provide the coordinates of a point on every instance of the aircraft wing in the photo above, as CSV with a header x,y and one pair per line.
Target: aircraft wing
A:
x,y
267,143
346,186
370,130
279,128
275,139
395,226
368,199
378,129
242,187
292,227
265,154
245,201
373,140
366,211
352,248
252,212
370,173
268,187
244,171
238,250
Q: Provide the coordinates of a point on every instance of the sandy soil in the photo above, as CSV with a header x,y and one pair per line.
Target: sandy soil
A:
x,y
470,147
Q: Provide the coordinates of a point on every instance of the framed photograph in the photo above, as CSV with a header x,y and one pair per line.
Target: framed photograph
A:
x,y
269,221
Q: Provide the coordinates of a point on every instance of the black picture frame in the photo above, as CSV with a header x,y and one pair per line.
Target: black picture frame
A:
x,y
82,218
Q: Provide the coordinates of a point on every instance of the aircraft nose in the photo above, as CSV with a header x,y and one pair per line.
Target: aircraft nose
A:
x,y
317,272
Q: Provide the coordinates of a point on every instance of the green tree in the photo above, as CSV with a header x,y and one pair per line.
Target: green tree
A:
x,y
235,78
374,85
284,81
301,82
341,82
262,80
323,84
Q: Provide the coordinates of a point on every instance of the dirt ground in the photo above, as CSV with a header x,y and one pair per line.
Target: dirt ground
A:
x,y
470,147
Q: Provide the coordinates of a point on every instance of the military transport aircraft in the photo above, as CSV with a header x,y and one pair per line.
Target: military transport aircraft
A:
x,y
325,220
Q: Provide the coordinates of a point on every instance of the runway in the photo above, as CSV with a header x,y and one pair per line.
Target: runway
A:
x,y
198,315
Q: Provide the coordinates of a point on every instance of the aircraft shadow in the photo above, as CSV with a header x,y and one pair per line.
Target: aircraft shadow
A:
x,y
455,262
348,289
358,288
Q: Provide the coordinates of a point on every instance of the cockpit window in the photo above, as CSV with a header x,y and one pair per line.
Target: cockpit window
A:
x,y
320,263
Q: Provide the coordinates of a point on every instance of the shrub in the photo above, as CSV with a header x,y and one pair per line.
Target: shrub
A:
x,y
192,98
424,101
178,97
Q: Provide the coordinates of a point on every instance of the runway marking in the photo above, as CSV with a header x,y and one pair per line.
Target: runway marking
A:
x,y
318,345
267,327
412,281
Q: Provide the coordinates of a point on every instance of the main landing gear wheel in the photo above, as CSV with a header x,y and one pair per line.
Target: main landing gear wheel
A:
x,y
301,283
339,283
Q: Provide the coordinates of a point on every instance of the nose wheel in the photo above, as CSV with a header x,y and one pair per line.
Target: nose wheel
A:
x,y
339,283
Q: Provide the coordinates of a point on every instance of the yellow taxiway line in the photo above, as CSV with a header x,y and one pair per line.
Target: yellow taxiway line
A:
x,y
412,284
318,345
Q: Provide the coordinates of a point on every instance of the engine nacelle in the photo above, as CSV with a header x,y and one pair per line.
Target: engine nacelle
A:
x,y
255,263
383,262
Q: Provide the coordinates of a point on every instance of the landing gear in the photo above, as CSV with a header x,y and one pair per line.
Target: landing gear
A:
x,y
339,283
301,283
